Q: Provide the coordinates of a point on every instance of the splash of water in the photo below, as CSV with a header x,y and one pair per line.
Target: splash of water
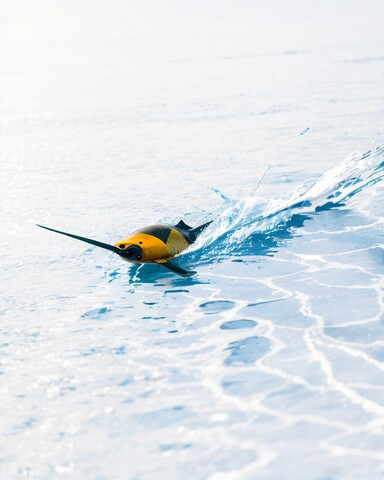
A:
x,y
255,226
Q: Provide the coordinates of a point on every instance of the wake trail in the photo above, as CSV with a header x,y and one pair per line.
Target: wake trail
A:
x,y
251,221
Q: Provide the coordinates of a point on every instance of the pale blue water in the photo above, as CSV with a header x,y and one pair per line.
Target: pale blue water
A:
x,y
267,118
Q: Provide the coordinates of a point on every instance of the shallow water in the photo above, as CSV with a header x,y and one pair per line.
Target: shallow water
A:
x,y
267,119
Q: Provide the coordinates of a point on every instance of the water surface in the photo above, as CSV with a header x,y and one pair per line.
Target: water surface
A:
x,y
267,118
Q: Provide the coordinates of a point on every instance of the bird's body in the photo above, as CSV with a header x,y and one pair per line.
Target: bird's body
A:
x,y
155,243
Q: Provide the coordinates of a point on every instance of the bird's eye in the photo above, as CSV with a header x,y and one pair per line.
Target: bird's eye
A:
x,y
122,245
139,257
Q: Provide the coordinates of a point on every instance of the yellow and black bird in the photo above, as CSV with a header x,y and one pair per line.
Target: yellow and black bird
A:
x,y
156,244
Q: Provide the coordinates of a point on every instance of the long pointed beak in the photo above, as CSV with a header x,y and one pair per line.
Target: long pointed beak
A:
x,y
87,240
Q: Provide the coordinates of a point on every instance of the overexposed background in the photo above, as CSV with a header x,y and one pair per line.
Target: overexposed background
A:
x,y
120,114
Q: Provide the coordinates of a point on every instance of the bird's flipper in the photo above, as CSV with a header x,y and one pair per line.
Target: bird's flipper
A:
x,y
175,268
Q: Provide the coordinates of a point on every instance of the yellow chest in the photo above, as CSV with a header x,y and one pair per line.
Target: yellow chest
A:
x,y
161,245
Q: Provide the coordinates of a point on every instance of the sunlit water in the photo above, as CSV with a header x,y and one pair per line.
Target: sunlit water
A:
x,y
267,119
